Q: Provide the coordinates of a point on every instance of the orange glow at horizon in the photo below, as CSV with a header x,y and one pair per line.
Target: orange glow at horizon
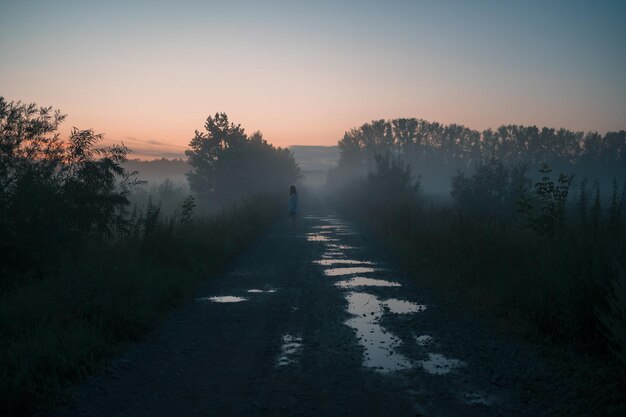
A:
x,y
149,75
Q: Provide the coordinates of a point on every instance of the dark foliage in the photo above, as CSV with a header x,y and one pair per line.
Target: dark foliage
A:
x,y
54,193
227,163
492,189
543,208
571,254
57,330
551,269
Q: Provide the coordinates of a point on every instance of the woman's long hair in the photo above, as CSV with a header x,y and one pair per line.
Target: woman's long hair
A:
x,y
292,190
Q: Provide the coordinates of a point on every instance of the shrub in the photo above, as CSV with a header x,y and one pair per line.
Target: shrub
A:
x,y
614,320
54,193
492,189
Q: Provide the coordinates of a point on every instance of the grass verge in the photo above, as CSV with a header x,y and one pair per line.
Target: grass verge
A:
x,y
56,330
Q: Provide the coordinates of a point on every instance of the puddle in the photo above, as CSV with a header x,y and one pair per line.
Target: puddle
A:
x,y
333,225
330,219
366,282
403,307
223,299
333,272
318,237
331,222
257,291
423,340
379,345
438,364
325,227
327,262
289,350
337,246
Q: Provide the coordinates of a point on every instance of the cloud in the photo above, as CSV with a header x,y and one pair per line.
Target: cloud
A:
x,y
150,148
147,153
155,142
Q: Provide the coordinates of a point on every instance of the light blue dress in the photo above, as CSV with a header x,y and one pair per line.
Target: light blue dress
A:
x,y
293,203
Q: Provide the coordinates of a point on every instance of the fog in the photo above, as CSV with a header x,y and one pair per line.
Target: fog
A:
x,y
436,153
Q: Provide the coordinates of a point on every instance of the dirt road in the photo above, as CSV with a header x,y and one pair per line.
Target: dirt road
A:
x,y
316,322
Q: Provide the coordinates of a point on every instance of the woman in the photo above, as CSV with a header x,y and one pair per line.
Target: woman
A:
x,y
293,204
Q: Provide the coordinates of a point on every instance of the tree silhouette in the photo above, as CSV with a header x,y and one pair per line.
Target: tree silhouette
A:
x,y
227,163
439,151
53,193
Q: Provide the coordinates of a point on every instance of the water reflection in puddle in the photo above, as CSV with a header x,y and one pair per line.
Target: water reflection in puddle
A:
x,y
379,345
331,227
318,237
403,307
331,219
327,262
223,299
333,272
332,254
336,246
438,364
335,226
366,282
289,350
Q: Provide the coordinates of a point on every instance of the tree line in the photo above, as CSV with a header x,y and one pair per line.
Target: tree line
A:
x,y
436,150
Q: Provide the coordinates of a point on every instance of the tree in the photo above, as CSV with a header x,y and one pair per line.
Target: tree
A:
x,y
543,207
53,193
227,163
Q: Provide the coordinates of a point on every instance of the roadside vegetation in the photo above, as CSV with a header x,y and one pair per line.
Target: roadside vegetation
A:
x,y
539,252
90,260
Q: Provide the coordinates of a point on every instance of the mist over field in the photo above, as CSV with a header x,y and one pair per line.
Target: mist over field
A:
x,y
314,163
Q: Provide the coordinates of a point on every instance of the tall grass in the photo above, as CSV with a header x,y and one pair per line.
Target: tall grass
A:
x,y
58,329
562,285
614,319
560,279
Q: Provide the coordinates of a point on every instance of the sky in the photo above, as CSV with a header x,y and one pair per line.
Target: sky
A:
x,y
148,73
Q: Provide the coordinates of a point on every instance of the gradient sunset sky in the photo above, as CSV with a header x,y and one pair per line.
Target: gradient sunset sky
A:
x,y
149,72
